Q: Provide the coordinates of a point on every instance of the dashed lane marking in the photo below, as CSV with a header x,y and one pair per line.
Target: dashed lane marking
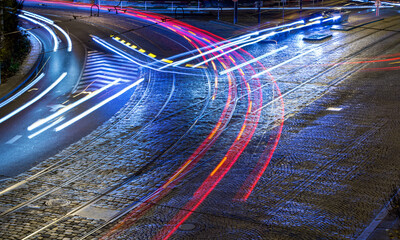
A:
x,y
14,139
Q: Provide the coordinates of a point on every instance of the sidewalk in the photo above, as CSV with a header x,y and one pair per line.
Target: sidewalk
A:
x,y
27,69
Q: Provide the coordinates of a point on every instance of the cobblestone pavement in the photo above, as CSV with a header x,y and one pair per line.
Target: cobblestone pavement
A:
x,y
332,172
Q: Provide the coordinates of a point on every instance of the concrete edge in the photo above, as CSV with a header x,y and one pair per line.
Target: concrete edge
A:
x,y
29,74
83,67
378,219
231,25
347,27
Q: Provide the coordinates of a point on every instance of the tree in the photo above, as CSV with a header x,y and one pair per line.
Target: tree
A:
x,y
14,44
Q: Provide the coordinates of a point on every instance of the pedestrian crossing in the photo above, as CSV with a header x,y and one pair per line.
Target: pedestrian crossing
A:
x,y
102,69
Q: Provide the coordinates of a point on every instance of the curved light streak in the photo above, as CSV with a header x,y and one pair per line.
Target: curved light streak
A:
x,y
245,40
285,62
255,40
243,143
239,39
265,158
317,18
70,106
219,48
252,60
35,99
123,54
22,90
219,172
331,19
46,128
36,16
53,35
94,108
143,206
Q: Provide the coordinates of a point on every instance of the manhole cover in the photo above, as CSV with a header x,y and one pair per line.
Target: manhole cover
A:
x,y
187,227
57,202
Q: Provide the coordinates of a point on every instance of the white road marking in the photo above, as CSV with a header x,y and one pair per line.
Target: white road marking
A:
x,y
56,107
14,139
335,109
45,128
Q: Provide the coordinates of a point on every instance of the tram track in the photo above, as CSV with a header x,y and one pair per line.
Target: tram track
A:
x,y
335,81
205,114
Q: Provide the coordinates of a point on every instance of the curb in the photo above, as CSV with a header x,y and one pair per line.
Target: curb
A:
x,y
347,27
231,25
369,230
33,69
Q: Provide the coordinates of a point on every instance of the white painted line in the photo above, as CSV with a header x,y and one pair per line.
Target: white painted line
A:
x,y
94,108
35,99
22,91
69,107
45,128
53,35
54,25
335,109
285,62
14,139
252,61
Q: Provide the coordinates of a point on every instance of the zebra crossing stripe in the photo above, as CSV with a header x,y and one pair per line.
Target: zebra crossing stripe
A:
x,y
102,69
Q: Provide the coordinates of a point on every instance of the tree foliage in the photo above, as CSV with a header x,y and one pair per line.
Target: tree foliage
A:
x,y
15,45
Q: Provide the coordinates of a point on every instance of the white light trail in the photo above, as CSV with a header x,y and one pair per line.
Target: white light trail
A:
x,y
283,63
283,26
301,26
217,48
127,57
45,128
12,98
255,40
317,18
195,51
35,99
252,61
36,16
69,49
221,48
332,18
70,106
116,50
245,40
94,108
53,35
